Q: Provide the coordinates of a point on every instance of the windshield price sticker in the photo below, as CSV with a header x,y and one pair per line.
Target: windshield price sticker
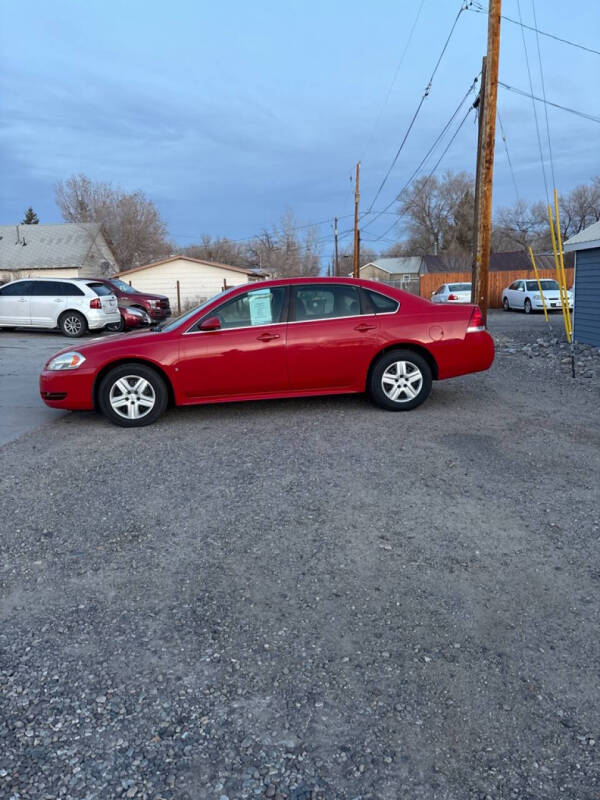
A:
x,y
260,307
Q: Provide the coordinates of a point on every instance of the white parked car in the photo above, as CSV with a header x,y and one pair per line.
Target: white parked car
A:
x,y
452,293
74,305
524,294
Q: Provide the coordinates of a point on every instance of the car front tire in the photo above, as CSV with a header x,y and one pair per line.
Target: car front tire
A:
x,y
400,380
132,395
527,306
73,324
505,304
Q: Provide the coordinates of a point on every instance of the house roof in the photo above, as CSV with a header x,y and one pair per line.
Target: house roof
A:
x,y
499,262
584,240
46,246
397,265
195,260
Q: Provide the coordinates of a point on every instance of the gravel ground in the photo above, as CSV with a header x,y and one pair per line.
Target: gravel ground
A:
x,y
309,599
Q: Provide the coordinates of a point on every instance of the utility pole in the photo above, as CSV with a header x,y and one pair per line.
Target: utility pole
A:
x,y
356,239
485,161
335,236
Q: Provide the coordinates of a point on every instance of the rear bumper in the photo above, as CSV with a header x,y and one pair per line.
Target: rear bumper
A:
x,y
97,319
70,389
475,355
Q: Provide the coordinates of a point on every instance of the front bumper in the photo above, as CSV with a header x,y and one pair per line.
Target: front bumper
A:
x,y
70,389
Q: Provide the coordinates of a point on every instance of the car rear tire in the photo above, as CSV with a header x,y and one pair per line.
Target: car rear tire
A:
x,y
400,380
505,304
73,324
132,395
527,306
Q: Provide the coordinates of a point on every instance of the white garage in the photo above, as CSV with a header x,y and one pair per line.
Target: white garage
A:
x,y
186,281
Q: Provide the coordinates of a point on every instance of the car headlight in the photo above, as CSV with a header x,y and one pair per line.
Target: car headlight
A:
x,y
71,360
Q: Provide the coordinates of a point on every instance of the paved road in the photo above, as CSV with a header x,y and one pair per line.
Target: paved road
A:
x,y
308,599
23,353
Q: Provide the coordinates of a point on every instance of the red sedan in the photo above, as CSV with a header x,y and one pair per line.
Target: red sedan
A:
x,y
281,338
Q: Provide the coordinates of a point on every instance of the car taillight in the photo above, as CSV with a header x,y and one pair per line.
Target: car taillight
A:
x,y
95,303
476,321
452,297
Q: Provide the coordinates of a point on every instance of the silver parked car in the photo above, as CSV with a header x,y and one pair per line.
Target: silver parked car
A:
x,y
72,305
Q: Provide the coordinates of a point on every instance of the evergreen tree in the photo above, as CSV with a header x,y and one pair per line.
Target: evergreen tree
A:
x,y
30,218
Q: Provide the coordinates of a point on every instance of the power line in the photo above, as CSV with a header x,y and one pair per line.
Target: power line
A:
x,y
393,83
539,52
426,157
508,158
479,9
418,109
437,163
535,116
583,114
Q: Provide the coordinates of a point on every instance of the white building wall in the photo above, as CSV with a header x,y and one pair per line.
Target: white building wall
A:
x,y
197,282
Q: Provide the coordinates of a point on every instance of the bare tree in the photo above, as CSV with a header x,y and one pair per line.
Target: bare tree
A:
x,y
130,221
439,213
221,250
286,250
580,207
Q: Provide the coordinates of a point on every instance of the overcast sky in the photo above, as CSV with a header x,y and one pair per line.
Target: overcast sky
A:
x,y
227,114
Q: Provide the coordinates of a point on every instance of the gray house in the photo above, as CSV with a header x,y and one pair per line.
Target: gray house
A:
x,y
586,306
64,250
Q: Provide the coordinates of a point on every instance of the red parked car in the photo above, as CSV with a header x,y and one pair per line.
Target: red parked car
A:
x,y
157,306
278,338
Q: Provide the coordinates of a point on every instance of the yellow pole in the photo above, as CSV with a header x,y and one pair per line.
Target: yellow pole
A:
x,y
557,265
537,277
564,297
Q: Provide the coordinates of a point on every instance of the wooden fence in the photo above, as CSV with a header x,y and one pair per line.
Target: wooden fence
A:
x,y
497,281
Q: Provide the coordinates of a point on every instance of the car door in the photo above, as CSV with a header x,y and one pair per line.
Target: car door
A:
x,y
48,299
330,343
244,356
519,295
14,303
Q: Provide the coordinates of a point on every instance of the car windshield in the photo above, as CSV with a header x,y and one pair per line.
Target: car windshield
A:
x,y
532,286
124,287
459,287
178,321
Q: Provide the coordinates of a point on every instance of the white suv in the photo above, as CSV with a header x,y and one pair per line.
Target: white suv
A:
x,y
74,305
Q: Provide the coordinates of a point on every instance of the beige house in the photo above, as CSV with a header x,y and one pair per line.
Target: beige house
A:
x,y
186,281
64,250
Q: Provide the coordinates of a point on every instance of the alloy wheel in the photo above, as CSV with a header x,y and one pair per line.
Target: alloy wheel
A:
x,y
402,381
132,397
73,326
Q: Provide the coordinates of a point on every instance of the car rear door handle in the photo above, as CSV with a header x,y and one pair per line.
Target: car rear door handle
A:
x,y
22,300
266,337
364,327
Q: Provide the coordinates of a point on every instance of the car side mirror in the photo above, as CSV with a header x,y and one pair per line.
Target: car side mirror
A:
x,y
210,324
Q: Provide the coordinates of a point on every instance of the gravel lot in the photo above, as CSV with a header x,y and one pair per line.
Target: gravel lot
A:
x,y
309,599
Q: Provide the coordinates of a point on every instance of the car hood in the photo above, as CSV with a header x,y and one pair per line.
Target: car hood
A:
x,y
148,296
104,342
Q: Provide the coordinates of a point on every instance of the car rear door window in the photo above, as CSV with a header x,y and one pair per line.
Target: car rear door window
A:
x,y
326,301
377,303
55,289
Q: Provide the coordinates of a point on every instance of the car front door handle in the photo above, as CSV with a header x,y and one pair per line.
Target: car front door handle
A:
x,y
22,300
266,337
364,327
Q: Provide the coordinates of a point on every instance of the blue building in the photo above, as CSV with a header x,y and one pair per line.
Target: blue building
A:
x,y
586,320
